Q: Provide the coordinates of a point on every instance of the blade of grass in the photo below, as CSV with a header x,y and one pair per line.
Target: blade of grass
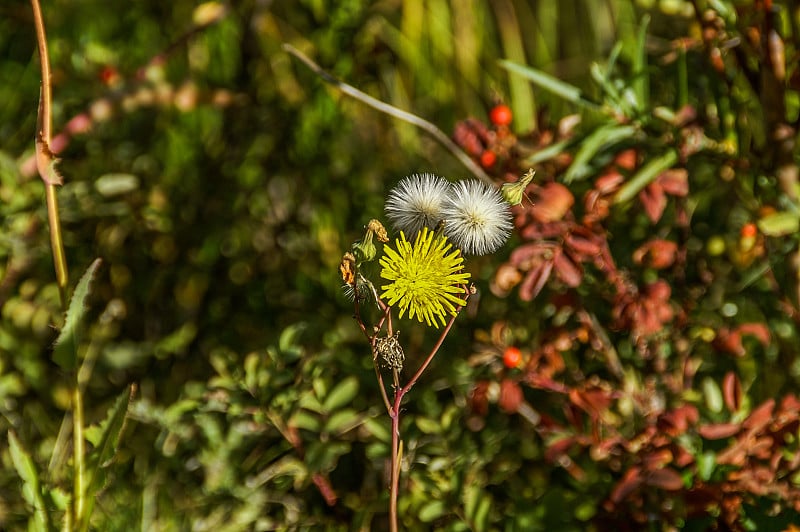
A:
x,y
550,83
547,153
645,176
521,95
641,79
604,136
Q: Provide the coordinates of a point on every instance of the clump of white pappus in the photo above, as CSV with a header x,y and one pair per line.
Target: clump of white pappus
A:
x,y
473,215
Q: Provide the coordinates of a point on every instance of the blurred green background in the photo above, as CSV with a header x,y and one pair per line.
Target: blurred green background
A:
x,y
220,181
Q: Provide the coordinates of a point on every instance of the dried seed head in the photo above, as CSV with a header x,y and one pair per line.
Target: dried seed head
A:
x,y
348,268
380,231
390,351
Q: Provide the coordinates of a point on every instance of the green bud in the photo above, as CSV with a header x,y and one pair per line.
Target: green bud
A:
x,y
365,250
514,192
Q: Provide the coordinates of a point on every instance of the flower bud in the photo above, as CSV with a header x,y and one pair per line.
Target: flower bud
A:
x,y
513,192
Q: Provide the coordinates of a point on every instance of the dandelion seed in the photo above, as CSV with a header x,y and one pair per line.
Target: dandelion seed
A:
x,y
477,218
416,202
425,279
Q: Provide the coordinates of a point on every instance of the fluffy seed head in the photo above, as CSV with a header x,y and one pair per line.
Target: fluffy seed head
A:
x,y
477,218
417,202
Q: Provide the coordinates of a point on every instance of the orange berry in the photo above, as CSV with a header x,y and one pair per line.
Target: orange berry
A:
x,y
749,230
488,158
512,356
500,115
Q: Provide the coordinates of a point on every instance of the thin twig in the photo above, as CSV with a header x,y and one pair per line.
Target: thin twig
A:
x,y
390,110
435,349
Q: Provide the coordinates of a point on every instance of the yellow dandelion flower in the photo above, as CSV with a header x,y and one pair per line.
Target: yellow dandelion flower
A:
x,y
424,279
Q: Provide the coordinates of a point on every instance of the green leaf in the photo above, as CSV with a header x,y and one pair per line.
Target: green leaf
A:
x,y
549,83
706,463
779,224
288,343
342,394
111,429
303,419
645,176
106,444
427,425
712,394
309,401
547,153
65,352
431,511
116,184
31,488
341,421
481,517
602,137
379,428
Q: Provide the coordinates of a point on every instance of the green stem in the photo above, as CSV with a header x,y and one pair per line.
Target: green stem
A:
x,y
394,413
44,136
45,164
79,488
57,243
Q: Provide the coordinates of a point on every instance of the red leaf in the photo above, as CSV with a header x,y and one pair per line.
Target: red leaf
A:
x,y
526,255
760,417
657,459
729,342
626,159
567,270
658,291
510,396
583,245
654,201
559,448
535,281
677,421
666,479
732,391
718,431
553,202
759,330
609,182
467,134
675,181
659,253
593,401
629,482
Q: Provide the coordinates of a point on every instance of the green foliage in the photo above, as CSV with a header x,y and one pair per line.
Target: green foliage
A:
x,y
227,386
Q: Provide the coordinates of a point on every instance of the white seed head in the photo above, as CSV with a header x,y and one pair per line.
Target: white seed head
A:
x,y
417,202
477,218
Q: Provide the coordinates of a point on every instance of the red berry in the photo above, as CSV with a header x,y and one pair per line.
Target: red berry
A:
x,y
488,158
512,356
500,115
749,230
109,75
